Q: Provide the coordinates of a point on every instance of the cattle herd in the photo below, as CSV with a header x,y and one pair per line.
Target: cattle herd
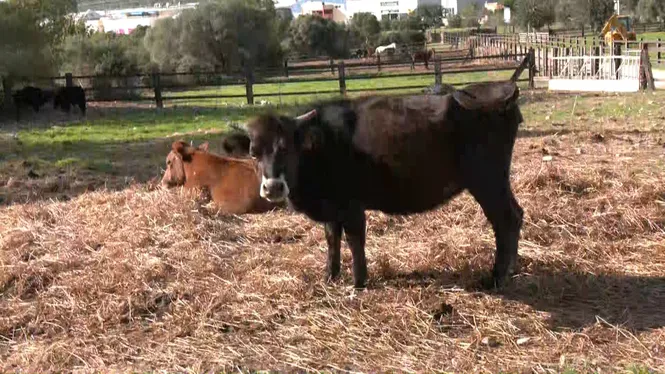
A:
x,y
63,98
400,154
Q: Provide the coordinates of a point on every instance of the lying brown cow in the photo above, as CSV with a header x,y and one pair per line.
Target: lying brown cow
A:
x,y
233,183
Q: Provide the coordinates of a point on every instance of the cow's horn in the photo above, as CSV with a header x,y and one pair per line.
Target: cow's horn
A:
x,y
307,116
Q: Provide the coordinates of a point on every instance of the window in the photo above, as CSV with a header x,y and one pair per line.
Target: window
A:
x,y
390,3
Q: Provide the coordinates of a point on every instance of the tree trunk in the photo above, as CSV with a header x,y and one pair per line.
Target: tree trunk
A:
x,y
7,89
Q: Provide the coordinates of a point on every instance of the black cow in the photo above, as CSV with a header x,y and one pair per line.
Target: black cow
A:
x,y
236,145
29,96
65,97
397,154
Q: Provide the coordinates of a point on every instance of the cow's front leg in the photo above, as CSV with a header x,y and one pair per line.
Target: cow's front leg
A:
x,y
354,228
334,239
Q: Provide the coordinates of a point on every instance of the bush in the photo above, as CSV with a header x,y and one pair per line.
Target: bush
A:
x,y
402,37
455,21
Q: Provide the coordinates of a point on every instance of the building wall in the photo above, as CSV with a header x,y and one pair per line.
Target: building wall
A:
x,y
400,8
329,11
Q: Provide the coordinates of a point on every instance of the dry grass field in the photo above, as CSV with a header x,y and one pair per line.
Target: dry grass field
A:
x,y
102,270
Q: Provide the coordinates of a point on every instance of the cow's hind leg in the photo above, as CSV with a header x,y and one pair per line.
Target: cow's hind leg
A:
x,y
354,228
334,238
491,188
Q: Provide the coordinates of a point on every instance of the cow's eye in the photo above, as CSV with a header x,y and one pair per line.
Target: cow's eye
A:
x,y
253,153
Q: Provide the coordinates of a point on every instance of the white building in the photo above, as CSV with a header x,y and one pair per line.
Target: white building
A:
x,y
123,21
326,10
400,8
391,9
456,6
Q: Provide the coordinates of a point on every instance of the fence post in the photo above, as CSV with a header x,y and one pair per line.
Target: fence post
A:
x,y
332,66
532,67
596,63
378,62
342,78
69,80
249,85
157,86
646,74
658,56
437,72
286,67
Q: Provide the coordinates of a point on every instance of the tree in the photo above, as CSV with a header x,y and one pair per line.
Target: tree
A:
x,y
650,10
314,35
24,47
430,15
56,20
284,17
365,30
571,13
218,35
585,12
455,21
508,3
535,13
470,15
598,11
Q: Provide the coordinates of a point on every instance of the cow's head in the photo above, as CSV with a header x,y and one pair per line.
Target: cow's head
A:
x,y
277,143
181,154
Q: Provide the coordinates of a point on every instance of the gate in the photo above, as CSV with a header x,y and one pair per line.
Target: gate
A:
x,y
596,73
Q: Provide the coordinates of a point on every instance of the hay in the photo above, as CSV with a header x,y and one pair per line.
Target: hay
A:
x,y
147,279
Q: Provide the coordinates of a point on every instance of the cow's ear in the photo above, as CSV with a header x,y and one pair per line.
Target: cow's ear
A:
x,y
305,117
311,139
204,146
183,149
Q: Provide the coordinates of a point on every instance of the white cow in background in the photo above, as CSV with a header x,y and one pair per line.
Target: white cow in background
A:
x,y
383,48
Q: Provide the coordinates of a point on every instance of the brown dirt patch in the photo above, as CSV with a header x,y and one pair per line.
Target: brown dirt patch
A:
x,y
146,279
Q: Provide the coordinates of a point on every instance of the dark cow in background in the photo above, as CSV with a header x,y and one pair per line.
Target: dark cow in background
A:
x,y
396,154
233,183
66,97
422,55
236,145
30,96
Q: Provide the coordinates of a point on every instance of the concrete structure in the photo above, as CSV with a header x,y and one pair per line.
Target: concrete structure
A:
x,y
391,9
123,21
329,11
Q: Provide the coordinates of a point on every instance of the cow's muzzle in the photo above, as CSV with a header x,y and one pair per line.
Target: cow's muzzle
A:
x,y
274,189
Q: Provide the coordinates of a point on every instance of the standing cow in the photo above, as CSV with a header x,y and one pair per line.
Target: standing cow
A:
x,y
396,154
422,55
29,96
65,97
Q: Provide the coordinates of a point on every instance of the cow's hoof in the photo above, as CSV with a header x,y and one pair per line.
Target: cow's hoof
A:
x,y
360,286
492,282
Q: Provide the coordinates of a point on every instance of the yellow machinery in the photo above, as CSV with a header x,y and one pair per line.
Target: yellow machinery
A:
x,y
618,28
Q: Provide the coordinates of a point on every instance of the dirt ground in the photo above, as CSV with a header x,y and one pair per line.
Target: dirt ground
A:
x,y
145,279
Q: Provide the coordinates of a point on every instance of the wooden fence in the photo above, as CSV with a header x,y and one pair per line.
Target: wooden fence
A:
x,y
162,87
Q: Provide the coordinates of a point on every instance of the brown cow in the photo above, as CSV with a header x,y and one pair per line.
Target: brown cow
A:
x,y
422,55
233,183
